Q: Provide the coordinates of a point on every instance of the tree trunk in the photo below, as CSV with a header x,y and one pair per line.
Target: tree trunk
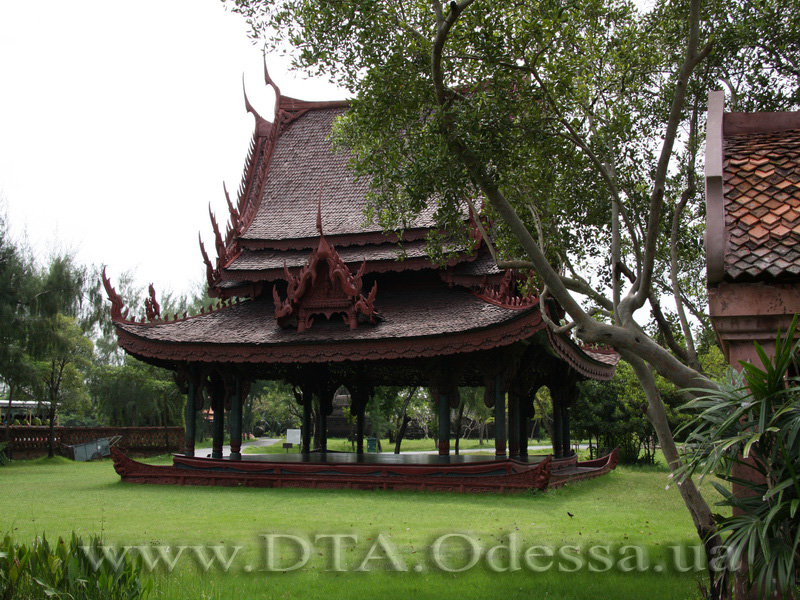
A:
x,y
698,508
401,433
402,421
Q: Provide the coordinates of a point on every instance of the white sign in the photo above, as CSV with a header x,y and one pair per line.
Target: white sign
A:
x,y
293,436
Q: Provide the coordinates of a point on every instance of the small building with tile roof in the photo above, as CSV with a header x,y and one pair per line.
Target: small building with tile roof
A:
x,y
311,293
752,226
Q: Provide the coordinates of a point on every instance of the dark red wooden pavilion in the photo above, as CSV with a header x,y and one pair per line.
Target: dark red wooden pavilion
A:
x,y
311,294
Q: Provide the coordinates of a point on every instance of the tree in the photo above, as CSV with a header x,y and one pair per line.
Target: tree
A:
x,y
613,412
577,123
473,414
136,394
273,404
61,376
16,280
388,412
65,304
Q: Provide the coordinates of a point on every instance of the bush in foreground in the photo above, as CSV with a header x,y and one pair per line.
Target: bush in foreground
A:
x,y
66,570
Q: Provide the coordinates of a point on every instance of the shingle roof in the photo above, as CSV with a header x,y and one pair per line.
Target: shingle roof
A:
x,y
761,176
303,171
406,313
414,320
262,260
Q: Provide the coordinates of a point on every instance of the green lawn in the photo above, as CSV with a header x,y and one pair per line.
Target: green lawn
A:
x,y
628,507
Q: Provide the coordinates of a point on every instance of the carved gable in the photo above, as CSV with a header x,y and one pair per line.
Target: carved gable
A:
x,y
324,287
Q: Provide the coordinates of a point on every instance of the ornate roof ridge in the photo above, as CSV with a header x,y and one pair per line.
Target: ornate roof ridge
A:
x,y
153,316
507,292
256,169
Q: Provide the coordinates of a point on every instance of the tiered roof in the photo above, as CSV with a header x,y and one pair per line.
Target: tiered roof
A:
x,y
313,282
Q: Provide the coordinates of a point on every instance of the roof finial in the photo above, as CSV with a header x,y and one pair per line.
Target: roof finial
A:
x,y
247,104
117,305
319,215
268,80
152,308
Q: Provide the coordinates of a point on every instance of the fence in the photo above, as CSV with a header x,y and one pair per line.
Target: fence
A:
x,y
30,442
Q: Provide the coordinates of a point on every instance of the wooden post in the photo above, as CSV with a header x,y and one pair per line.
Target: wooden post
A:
x,y
558,446
189,416
499,418
323,428
236,421
524,425
307,399
444,425
565,438
218,435
513,424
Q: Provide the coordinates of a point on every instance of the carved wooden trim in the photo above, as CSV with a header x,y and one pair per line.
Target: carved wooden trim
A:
x,y
507,293
325,286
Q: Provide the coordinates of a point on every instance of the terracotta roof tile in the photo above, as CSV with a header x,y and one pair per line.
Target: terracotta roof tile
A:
x,y
762,204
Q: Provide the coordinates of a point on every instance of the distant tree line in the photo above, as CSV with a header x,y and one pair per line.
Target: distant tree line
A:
x,y
58,347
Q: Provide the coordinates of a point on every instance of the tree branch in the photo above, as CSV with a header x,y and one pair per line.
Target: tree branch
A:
x,y
640,290
688,193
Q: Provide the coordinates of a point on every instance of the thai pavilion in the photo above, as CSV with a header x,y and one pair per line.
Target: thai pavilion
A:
x,y
311,295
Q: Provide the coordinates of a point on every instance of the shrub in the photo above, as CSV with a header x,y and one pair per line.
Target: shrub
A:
x,y
753,420
66,570
4,460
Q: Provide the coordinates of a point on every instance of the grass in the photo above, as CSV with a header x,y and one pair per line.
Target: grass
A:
x,y
628,507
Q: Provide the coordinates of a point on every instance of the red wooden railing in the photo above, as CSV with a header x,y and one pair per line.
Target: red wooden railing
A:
x,y
27,442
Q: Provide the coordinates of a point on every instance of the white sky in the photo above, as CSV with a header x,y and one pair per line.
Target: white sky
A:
x,y
119,121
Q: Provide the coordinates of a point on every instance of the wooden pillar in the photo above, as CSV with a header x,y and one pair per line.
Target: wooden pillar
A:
x,y
218,433
524,424
513,424
236,420
499,417
306,427
525,414
566,444
326,394
558,446
444,425
323,428
190,429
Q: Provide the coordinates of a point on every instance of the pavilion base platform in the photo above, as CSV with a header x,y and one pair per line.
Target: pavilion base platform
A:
x,y
570,469
464,473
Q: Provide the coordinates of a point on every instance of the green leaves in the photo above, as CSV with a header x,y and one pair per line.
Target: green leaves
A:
x,y
751,426
67,570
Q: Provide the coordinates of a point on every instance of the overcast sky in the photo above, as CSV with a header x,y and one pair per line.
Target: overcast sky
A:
x,y
119,121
